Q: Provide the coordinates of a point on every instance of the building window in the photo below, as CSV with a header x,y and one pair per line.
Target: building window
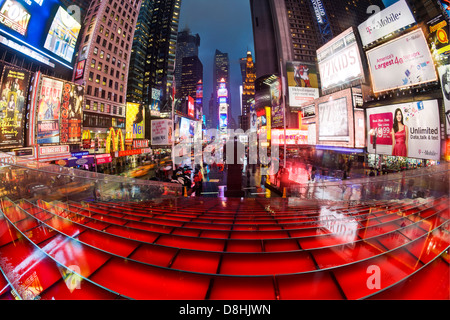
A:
x,y
91,76
102,54
99,66
97,78
93,63
95,106
87,106
95,50
104,81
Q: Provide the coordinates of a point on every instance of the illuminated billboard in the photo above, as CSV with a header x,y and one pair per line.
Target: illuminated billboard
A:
x,y
277,109
402,62
161,132
135,117
340,62
408,130
444,76
13,94
191,109
438,31
155,106
42,30
71,113
48,111
62,36
384,22
303,82
333,120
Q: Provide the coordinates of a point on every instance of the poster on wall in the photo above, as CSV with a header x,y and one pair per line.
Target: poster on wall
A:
x,y
333,120
135,117
48,111
13,94
406,130
402,62
162,132
444,77
303,83
71,113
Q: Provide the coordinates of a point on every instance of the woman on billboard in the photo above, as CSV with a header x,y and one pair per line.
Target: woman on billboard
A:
x,y
399,135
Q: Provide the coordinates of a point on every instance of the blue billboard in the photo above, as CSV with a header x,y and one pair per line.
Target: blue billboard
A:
x,y
41,29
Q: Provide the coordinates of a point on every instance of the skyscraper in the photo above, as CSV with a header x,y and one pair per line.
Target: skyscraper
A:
x,y
287,30
105,53
187,46
248,91
136,71
161,50
221,71
191,73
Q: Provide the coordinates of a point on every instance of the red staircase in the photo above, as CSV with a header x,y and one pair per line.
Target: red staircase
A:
x,y
209,248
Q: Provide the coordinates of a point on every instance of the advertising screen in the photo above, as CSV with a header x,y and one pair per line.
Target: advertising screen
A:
x,y
340,62
277,107
71,113
223,120
438,31
402,62
62,35
135,117
43,28
162,132
391,19
333,120
191,110
48,111
79,71
444,77
303,82
407,130
13,94
155,107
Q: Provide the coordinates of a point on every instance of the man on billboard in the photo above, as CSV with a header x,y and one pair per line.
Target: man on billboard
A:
x,y
301,73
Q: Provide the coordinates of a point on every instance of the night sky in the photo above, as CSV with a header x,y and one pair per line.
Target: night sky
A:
x,y
224,25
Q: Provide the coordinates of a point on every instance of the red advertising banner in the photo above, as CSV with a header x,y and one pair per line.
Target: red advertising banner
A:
x,y
382,124
79,71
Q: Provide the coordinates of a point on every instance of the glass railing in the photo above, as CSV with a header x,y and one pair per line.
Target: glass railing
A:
x,y
28,179
432,181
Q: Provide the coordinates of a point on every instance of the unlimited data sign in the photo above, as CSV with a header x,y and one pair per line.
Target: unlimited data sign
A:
x,y
409,130
403,62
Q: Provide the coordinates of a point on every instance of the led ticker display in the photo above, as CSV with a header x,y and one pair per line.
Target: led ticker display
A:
x,y
42,30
